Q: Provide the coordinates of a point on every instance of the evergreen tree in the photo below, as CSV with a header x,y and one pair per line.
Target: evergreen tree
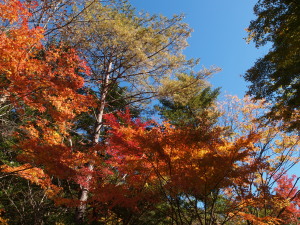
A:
x,y
189,101
276,76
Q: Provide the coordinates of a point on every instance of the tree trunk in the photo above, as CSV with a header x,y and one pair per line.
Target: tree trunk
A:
x,y
83,196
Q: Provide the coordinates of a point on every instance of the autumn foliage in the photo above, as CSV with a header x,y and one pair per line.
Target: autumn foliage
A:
x,y
185,160
233,170
46,80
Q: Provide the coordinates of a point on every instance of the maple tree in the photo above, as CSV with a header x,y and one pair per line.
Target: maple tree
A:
x,y
183,163
286,189
46,80
189,170
33,74
256,197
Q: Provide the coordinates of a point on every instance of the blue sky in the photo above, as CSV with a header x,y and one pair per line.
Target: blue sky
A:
x,y
218,38
219,29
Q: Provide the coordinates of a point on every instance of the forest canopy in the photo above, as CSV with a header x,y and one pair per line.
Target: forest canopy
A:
x,y
80,83
276,76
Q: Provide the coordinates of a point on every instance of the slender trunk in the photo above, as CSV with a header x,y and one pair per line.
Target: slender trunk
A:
x,y
80,213
83,197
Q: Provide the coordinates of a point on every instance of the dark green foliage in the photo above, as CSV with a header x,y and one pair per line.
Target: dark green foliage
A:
x,y
193,112
276,76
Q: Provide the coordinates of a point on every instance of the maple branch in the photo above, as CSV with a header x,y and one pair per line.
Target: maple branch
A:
x,y
16,171
296,195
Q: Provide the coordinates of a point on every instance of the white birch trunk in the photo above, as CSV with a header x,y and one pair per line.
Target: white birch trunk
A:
x,y
81,210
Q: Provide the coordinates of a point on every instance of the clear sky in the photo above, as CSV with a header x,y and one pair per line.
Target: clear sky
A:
x,y
218,38
219,29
